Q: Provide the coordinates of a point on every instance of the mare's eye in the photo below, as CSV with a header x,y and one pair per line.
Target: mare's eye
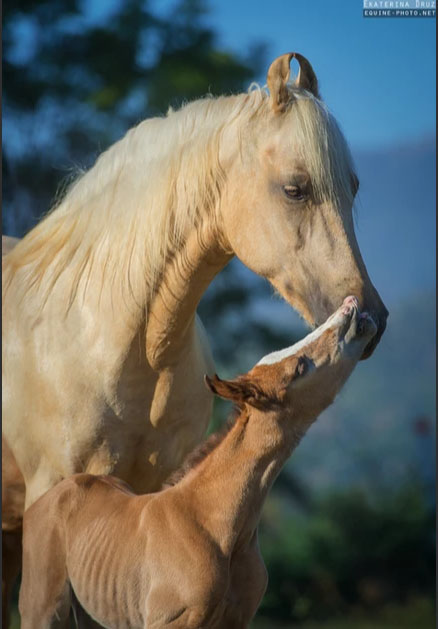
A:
x,y
295,193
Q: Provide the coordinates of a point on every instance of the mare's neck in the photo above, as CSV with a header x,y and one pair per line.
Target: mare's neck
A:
x,y
229,487
185,277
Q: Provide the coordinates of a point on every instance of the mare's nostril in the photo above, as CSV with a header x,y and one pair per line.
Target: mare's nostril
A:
x,y
351,300
349,305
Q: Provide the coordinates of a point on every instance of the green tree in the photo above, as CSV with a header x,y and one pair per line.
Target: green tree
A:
x,y
74,82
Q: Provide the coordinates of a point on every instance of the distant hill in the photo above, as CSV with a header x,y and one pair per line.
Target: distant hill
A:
x,y
381,429
396,221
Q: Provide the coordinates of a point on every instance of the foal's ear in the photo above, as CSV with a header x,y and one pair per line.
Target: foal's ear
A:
x,y
278,76
240,391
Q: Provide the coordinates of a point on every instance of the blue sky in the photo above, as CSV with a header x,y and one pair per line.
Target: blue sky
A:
x,y
376,75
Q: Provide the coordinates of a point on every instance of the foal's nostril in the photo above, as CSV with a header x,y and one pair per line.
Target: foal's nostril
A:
x,y
363,322
381,325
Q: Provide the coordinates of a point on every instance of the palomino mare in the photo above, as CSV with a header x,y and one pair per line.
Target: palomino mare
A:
x,y
180,558
13,492
103,353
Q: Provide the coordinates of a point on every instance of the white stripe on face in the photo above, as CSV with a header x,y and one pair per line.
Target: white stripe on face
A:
x,y
275,357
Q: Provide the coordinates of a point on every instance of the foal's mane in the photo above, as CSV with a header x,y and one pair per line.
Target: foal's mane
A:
x,y
204,449
119,222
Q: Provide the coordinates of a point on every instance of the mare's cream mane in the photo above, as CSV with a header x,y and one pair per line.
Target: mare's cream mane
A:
x,y
129,213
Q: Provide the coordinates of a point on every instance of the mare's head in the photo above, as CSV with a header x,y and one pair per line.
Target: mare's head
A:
x,y
288,209
304,379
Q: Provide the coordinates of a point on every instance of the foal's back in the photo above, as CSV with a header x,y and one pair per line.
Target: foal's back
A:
x,y
77,535
132,561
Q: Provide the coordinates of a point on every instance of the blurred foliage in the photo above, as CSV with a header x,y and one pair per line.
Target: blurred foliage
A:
x,y
417,613
73,83
353,554
228,312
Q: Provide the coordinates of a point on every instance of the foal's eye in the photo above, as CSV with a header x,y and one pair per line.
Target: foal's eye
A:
x,y
294,192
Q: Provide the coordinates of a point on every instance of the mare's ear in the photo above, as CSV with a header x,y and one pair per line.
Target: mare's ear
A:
x,y
240,391
278,76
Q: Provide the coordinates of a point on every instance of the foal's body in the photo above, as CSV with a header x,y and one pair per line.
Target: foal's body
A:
x,y
186,557
157,560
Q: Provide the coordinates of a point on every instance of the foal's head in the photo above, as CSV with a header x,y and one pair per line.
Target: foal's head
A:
x,y
288,214
302,380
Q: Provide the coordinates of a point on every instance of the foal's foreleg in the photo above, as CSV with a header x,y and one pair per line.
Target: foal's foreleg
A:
x,y
248,581
48,610
45,593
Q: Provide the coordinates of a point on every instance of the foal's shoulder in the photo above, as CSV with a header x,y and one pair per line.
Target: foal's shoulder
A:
x,y
72,494
58,501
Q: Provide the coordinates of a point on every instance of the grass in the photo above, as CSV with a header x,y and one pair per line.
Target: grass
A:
x,y
417,614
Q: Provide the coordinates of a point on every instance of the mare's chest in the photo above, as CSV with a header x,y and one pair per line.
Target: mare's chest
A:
x,y
154,418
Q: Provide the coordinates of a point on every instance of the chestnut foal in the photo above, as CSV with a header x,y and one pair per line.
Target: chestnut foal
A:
x,y
187,557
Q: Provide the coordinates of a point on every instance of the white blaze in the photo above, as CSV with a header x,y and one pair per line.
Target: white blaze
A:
x,y
275,357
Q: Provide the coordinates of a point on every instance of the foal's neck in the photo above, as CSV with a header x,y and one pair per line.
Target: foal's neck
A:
x,y
229,487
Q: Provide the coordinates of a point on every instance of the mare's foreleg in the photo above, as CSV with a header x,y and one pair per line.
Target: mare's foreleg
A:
x,y
11,566
13,495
